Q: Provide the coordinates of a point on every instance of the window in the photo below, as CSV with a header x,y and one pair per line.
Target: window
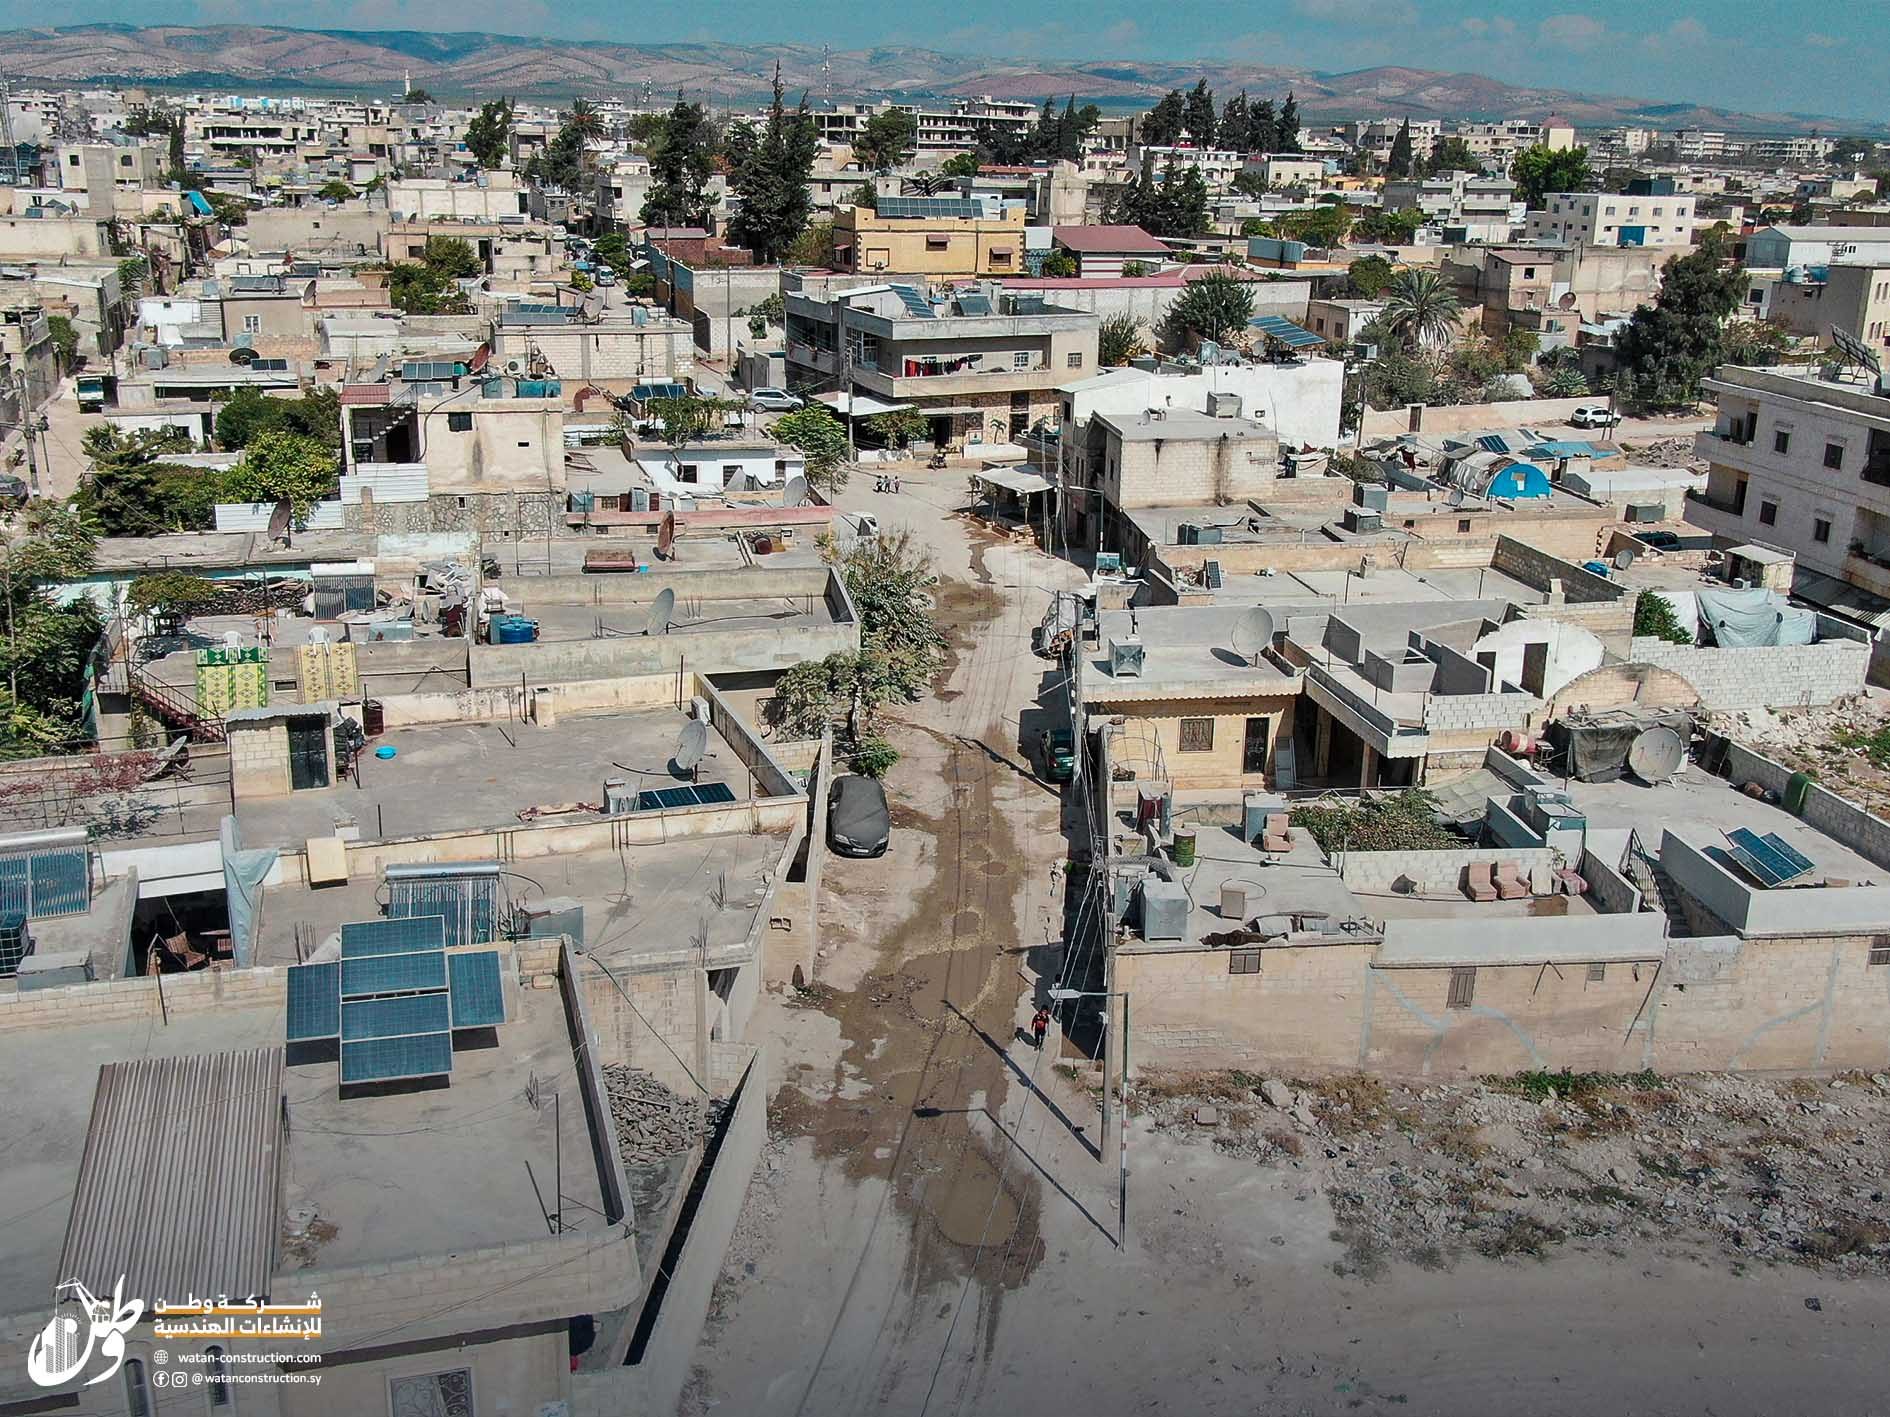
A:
x,y
137,1389
217,1382
252,324
686,472
1463,987
524,442
434,1395
73,161
459,423
1197,735
1597,973
1768,512
937,243
1463,524
1075,361
1020,359
1528,272
1820,529
124,160
1243,961
1782,440
730,471
1879,950
1834,455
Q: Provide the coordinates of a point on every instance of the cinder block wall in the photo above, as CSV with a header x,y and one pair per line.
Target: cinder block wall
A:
x,y
1766,676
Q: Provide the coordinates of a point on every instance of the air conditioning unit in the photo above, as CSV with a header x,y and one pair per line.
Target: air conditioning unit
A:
x,y
1125,658
1373,496
1164,909
1358,519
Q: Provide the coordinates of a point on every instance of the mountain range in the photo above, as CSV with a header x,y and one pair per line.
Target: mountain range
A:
x,y
465,65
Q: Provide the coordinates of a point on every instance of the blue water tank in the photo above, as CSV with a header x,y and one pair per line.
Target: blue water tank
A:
x,y
514,630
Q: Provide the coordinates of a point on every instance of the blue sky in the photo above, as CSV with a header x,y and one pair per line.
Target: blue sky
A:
x,y
1753,55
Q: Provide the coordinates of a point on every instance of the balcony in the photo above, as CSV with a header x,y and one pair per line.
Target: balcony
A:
x,y
1721,518
964,381
1868,570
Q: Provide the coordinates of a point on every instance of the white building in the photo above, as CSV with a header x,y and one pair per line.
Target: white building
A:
x,y
1217,166
703,469
1613,219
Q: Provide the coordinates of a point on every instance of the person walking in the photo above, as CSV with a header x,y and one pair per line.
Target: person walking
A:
x,y
1040,1021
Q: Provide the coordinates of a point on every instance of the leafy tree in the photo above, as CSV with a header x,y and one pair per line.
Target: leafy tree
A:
x,y
1541,169
1197,117
1519,347
1565,381
770,174
1118,339
899,428
335,190
1452,155
875,757
822,439
47,645
1322,226
814,246
130,491
1061,265
681,161
1388,228
688,419
1754,343
1654,615
960,165
1286,132
65,340
1135,270
1368,276
281,466
1248,183
866,195
1161,125
809,696
1421,308
429,286
1397,377
452,257
249,413
170,592
416,94
1668,347
1232,129
489,134
561,164
1211,308
1263,128
771,308
1398,164
886,140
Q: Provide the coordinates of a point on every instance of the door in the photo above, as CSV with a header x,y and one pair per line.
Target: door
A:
x,y
1259,739
308,752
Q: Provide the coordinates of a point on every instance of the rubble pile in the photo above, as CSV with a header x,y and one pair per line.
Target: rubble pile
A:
x,y
1666,452
652,1122
1760,1169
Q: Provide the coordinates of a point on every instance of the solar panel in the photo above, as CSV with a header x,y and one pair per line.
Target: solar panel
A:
x,y
394,1018
974,305
705,794
478,998
1493,443
1285,331
1770,859
1211,574
409,935
912,207
270,366
423,1055
469,904
708,793
314,1002
914,301
392,974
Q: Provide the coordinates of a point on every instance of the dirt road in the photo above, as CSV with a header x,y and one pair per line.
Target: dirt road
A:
x,y
932,1230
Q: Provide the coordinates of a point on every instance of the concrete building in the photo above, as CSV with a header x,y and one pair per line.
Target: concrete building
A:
x,y
955,238
491,196
1611,219
1101,252
1782,247
1217,166
1850,296
1286,169
1340,321
977,362
1164,457
585,343
938,132
1469,206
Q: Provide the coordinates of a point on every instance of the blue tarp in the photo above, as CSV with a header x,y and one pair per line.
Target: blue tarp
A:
x,y
199,204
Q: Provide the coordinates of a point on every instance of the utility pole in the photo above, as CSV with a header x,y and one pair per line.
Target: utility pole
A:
x,y
30,425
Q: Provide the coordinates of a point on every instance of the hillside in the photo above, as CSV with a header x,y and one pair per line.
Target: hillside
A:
x,y
262,56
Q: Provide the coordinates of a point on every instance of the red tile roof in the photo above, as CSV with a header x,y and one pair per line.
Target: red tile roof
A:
x,y
1102,239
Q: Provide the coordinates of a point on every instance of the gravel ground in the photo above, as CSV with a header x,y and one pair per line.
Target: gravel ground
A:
x,y
1745,1169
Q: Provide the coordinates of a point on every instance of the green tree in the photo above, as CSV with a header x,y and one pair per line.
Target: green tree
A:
x,y
681,162
1061,265
1519,348
1452,155
416,94
1325,226
1541,169
770,177
1161,126
429,286
48,645
814,247
1286,132
960,165
585,120
886,140
1388,228
1197,117
1211,308
1565,381
1248,182
1654,615
900,428
248,413
822,440
65,340
688,419
171,592
1118,339
489,134
1398,164
1421,308
283,467
335,190
1263,128
1668,347
1368,276
1232,129
130,491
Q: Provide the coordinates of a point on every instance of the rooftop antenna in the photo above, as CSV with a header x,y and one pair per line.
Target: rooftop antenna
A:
x,y
691,745
1253,633
6,134
826,73
661,612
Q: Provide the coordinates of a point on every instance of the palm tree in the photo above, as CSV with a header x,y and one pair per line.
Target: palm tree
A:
x,y
1421,308
585,120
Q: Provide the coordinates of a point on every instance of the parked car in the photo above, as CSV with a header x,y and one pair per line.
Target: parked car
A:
x,y
858,822
1659,540
606,278
1058,751
1594,415
775,400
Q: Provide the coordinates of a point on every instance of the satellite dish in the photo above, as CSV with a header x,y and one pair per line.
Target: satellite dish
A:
x,y
1254,633
661,613
795,493
1655,755
1624,558
691,744
666,536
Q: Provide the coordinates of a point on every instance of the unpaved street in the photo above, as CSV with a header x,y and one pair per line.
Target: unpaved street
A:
x,y
932,1229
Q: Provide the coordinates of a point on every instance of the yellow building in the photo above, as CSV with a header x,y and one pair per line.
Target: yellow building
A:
x,y
939,237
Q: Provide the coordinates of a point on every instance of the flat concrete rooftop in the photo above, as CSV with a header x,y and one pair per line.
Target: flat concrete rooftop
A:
x,y
581,622
469,775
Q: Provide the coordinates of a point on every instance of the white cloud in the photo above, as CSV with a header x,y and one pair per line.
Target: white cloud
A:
x,y
1578,32
1682,33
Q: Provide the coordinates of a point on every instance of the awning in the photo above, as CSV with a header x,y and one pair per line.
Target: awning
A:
x,y
858,405
1840,597
1021,481
1285,331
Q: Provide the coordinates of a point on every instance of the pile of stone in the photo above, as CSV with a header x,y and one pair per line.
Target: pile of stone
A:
x,y
652,1121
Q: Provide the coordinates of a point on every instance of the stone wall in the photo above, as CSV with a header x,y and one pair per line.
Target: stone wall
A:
x,y
1618,685
1837,817
1435,871
1764,676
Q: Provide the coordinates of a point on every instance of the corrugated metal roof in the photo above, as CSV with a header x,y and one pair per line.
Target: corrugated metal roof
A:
x,y
179,1189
